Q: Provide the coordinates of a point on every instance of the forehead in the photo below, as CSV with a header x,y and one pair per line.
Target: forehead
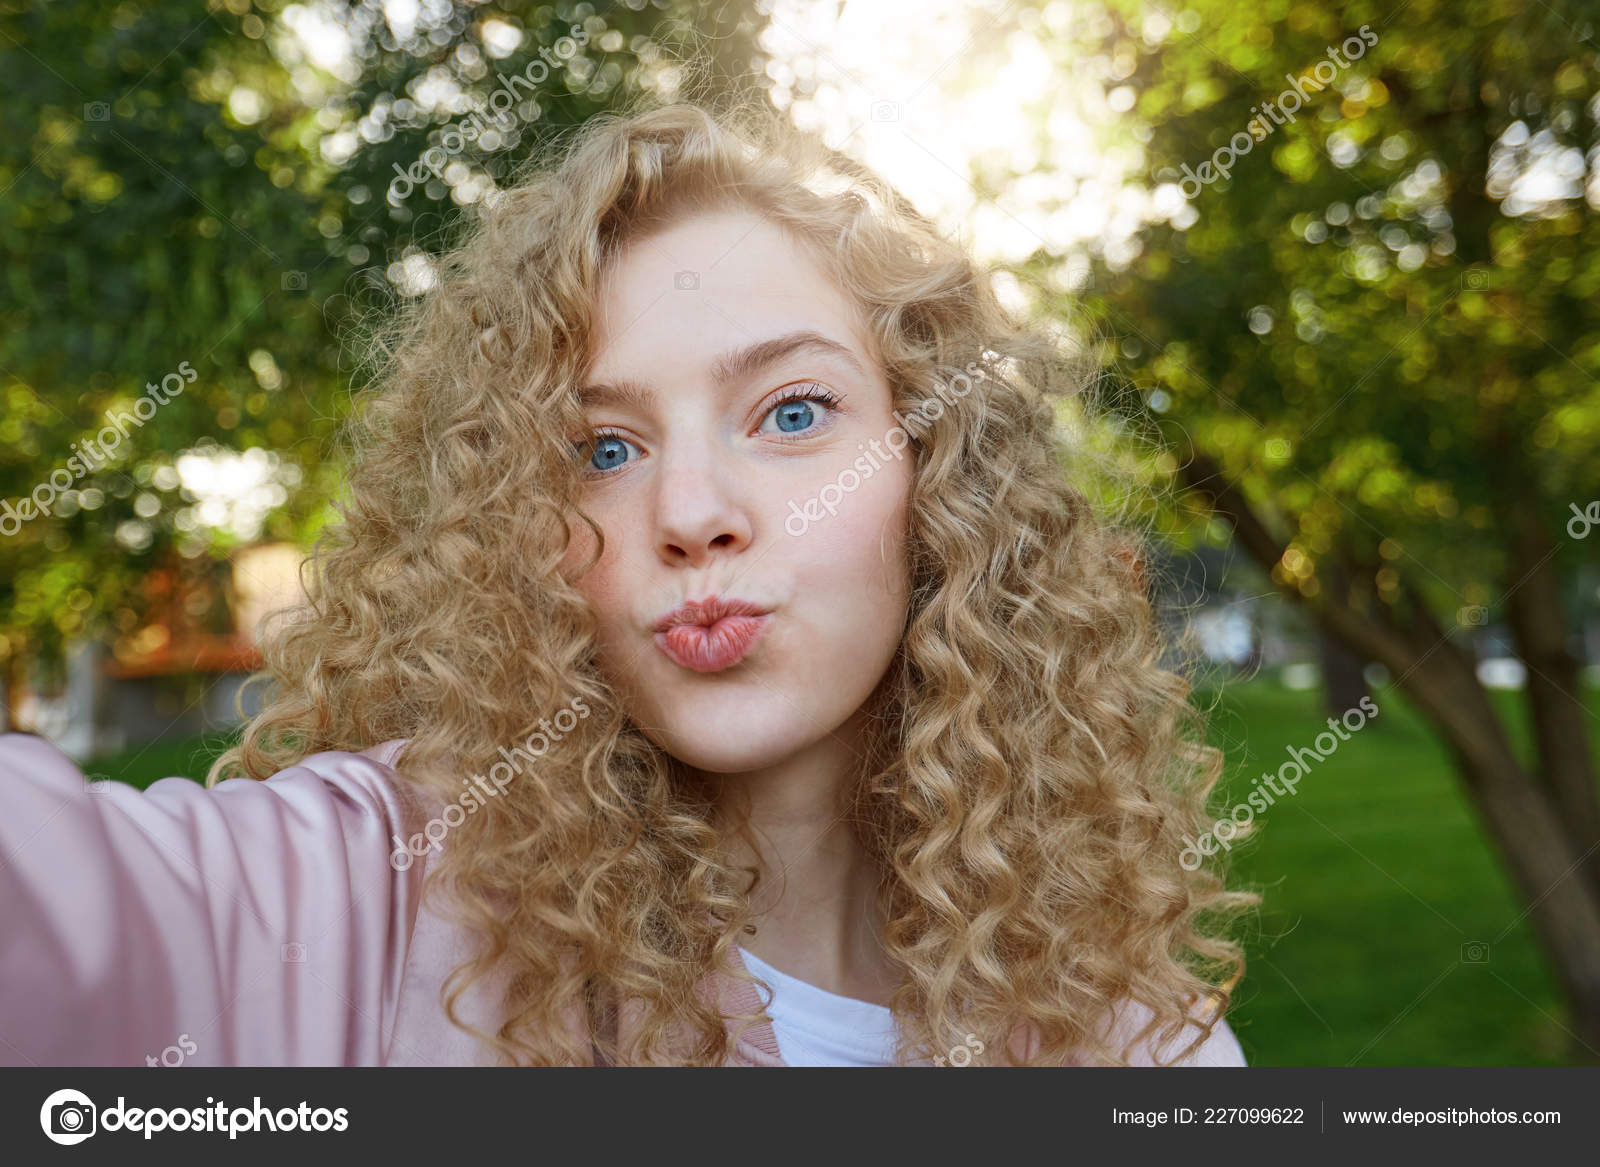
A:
x,y
677,299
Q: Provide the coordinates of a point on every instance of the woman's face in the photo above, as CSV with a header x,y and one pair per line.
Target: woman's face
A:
x,y
731,382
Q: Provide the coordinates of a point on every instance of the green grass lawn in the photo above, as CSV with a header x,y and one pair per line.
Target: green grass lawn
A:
x,y
1374,878
139,766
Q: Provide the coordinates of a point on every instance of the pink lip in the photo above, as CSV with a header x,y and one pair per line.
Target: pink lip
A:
x,y
712,634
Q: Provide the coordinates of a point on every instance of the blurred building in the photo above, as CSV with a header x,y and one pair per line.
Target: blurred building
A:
x,y
182,671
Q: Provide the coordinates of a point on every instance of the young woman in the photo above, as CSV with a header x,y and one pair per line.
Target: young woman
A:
x,y
713,666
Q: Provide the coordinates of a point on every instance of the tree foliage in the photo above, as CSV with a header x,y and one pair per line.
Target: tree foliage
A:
x,y
215,187
1363,319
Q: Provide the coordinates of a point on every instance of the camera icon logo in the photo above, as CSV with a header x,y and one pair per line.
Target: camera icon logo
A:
x,y
686,281
1473,615
68,1117
886,111
97,784
1474,952
1476,280
97,111
294,281
294,953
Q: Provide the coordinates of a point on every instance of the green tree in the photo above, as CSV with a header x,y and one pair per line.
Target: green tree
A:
x,y
213,188
1368,337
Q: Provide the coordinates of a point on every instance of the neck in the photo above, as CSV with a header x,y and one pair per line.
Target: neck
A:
x,y
815,906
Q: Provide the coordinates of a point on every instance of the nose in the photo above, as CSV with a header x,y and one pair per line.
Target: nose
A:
x,y
701,513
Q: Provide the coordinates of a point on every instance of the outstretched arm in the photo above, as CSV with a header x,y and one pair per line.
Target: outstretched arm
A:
x,y
253,923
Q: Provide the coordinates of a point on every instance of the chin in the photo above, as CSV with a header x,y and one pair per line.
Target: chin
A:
x,y
723,754
730,733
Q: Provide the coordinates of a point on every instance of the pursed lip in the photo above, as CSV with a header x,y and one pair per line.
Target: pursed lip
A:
x,y
707,636
708,611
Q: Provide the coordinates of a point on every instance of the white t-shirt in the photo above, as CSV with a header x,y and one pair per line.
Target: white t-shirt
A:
x,y
817,1028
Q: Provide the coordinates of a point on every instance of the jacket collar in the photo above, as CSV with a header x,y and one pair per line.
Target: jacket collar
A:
x,y
758,1044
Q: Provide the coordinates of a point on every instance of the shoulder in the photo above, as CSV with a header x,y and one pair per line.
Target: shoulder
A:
x,y
1218,1048
1121,1032
367,776
363,790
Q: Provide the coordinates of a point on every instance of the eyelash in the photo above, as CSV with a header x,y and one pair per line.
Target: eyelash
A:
x,y
808,391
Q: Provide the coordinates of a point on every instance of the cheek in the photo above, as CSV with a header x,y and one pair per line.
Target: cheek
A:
x,y
858,554
601,585
580,549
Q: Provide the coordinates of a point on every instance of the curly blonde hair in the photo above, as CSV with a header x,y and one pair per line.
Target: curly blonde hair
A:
x,y
1034,768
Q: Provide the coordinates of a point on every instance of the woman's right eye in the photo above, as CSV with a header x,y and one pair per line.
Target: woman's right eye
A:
x,y
606,452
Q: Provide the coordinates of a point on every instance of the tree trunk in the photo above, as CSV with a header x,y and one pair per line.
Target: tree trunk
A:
x,y
1545,865
1343,683
12,679
1555,703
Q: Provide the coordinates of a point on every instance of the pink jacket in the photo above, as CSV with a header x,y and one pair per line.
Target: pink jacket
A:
x,y
253,923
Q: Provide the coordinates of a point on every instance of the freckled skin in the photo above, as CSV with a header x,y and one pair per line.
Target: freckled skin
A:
x,y
697,507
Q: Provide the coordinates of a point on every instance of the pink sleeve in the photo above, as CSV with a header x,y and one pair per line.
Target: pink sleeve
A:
x,y
254,923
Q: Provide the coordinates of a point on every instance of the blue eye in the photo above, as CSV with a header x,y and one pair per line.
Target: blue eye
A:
x,y
800,412
606,452
794,415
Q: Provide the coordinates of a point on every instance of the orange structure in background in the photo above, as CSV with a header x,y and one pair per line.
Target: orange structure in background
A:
x,y
187,606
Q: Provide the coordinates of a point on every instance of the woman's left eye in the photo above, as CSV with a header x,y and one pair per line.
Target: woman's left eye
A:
x,y
799,411
603,453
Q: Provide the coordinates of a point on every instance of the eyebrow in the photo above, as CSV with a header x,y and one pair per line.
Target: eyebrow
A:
x,y
734,365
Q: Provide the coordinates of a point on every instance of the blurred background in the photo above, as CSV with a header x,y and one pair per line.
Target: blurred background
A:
x,y
1336,262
